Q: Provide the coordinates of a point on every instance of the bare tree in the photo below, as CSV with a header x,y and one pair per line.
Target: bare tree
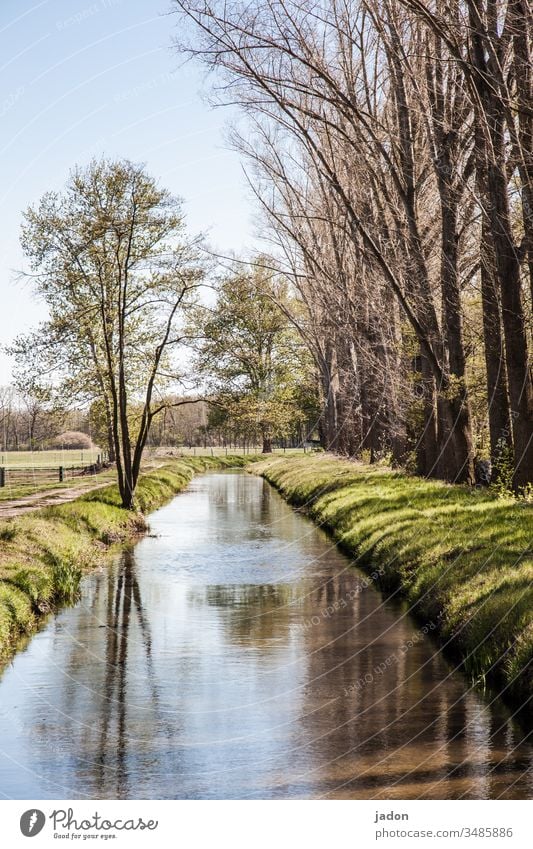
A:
x,y
385,107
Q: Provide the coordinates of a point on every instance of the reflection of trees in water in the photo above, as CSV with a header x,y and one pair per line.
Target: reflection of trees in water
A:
x,y
110,722
399,725
249,503
119,603
251,611
124,612
402,731
372,730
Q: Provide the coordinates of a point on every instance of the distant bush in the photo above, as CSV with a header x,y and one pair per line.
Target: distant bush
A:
x,y
72,439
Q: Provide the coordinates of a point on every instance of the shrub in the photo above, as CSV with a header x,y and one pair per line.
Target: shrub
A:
x,y
72,439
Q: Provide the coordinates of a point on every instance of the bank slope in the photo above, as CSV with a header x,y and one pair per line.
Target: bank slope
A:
x,y
462,557
44,554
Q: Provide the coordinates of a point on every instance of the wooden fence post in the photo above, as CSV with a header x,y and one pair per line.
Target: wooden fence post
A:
x,y
61,474
2,476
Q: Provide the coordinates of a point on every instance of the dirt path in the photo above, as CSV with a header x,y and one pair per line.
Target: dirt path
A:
x,y
48,498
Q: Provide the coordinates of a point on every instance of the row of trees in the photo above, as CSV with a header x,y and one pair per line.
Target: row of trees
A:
x,y
27,423
390,145
390,149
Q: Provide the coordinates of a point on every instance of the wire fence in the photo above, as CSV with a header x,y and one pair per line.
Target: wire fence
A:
x,y
219,451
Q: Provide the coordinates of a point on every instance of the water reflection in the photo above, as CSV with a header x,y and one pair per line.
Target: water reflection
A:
x,y
124,617
237,654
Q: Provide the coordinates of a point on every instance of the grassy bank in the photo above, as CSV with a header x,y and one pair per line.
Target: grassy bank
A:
x,y
44,554
461,557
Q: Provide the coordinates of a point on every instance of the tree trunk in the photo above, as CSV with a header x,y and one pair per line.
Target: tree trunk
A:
x,y
497,393
523,71
455,443
331,393
455,462
516,354
426,448
491,132
267,443
110,443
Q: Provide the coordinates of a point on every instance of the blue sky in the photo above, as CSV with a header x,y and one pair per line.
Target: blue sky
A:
x,y
81,79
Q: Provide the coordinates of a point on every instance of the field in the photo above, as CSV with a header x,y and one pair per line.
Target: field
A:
x,y
44,459
40,459
217,451
28,472
38,471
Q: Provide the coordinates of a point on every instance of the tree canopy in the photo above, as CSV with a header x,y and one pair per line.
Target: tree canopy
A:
x,y
257,369
112,260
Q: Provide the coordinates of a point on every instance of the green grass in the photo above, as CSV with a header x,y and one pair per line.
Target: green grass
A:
x,y
28,461
40,459
15,489
218,451
461,557
12,491
44,554
77,457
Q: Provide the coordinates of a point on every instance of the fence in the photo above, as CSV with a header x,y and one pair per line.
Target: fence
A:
x,y
20,476
219,451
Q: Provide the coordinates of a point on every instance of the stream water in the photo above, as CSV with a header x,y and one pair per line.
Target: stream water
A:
x,y
235,653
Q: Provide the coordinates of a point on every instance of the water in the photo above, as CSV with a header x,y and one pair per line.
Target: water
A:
x,y
237,654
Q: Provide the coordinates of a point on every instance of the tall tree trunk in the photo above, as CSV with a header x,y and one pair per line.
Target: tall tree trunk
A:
x,y
456,442
497,394
491,131
513,317
332,400
109,428
426,449
522,17
110,443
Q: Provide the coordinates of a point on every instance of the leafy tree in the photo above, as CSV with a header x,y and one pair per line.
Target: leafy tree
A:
x,y
112,261
254,362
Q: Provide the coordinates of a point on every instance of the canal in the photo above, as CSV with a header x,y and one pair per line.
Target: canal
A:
x,y
236,653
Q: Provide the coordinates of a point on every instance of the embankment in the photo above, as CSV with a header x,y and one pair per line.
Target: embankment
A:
x,y
461,557
44,554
